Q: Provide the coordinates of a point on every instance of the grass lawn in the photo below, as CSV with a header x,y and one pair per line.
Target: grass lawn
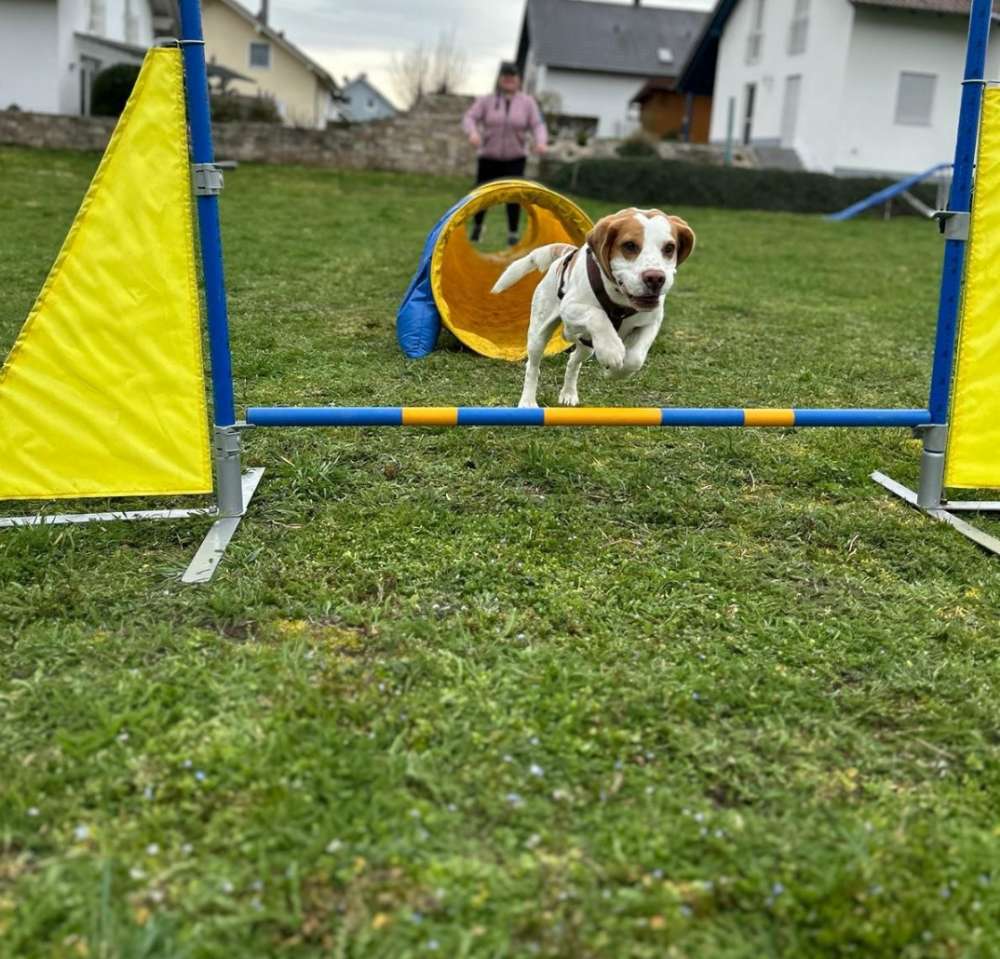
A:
x,y
589,693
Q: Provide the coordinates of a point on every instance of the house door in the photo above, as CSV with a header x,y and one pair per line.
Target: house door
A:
x,y
89,68
749,99
790,110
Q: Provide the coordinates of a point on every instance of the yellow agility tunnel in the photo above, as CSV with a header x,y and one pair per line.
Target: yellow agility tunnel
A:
x,y
452,284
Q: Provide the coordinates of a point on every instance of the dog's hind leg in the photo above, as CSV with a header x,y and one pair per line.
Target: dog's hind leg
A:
x,y
568,396
539,334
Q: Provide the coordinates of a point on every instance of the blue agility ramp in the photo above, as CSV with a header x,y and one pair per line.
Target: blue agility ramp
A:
x,y
896,189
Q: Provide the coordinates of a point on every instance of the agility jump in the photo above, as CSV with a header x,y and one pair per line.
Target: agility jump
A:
x,y
103,393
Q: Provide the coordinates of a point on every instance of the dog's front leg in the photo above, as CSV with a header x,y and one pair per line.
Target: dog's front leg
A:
x,y
589,322
637,344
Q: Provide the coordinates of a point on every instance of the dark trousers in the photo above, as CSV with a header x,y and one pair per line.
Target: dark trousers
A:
x,y
488,170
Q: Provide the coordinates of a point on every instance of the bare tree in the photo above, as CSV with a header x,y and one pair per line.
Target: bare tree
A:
x,y
449,64
409,74
420,71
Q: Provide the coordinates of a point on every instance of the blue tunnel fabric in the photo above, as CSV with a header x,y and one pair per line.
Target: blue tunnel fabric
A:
x,y
418,322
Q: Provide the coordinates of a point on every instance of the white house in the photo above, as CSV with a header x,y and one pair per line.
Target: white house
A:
x,y
50,50
589,60
363,101
851,87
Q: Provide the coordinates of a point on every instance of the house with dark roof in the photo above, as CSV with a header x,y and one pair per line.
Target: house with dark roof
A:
x,y
590,60
852,87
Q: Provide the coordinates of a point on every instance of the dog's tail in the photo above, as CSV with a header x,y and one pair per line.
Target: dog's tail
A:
x,y
540,260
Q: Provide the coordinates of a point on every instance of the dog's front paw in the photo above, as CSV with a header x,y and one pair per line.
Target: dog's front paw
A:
x,y
628,369
611,355
524,404
567,398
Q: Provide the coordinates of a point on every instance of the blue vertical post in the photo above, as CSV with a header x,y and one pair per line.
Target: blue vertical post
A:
x,y
228,471
960,201
209,229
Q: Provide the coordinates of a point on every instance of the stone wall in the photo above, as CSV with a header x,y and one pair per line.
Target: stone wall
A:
x,y
703,154
427,139
54,132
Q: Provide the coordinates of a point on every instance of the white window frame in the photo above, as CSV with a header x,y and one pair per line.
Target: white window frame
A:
x,y
261,44
798,29
755,39
97,19
790,118
912,120
131,23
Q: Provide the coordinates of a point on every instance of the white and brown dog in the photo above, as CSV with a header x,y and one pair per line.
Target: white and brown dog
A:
x,y
608,294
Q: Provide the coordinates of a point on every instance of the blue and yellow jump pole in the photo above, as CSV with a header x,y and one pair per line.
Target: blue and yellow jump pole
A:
x,y
577,416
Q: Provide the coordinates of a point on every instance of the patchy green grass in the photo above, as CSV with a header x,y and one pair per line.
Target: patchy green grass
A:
x,y
512,693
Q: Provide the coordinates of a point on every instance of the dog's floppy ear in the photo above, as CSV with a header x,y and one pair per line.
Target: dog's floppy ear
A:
x,y
685,238
601,239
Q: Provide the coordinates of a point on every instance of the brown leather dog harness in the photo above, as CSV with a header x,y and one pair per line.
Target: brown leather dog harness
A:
x,y
613,311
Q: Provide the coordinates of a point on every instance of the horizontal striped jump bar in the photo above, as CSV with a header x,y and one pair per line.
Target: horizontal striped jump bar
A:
x,y
573,416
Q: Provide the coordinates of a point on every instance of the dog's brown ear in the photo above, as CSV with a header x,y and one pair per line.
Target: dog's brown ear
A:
x,y
685,238
601,239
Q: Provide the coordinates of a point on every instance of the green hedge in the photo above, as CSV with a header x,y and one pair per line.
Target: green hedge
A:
x,y
656,182
111,89
236,108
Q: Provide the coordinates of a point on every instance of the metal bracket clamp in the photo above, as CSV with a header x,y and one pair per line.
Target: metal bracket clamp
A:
x,y
954,225
208,179
227,467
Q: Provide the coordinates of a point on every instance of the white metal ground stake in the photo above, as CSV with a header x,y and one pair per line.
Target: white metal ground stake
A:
x,y
235,490
930,498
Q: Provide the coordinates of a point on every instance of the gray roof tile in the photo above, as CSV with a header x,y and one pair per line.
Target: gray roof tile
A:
x,y
611,38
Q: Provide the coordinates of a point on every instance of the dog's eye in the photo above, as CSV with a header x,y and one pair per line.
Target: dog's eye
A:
x,y
669,250
630,246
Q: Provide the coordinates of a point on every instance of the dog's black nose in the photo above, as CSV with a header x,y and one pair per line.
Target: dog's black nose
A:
x,y
654,280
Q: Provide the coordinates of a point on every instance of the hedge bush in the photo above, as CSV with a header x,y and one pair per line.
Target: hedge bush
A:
x,y
656,182
236,108
636,147
111,89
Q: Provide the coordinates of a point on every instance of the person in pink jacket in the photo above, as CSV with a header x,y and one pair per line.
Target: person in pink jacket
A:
x,y
499,125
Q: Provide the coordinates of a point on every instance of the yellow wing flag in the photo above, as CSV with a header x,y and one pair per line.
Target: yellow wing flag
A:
x,y
103,393
973,456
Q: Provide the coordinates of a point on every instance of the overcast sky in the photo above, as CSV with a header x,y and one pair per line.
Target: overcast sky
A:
x,y
350,36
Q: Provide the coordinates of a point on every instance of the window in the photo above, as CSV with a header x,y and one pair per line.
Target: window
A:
x,y
799,28
755,41
260,55
131,22
790,110
915,102
749,101
97,21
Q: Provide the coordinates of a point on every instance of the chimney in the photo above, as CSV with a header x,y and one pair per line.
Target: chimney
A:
x,y
265,11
